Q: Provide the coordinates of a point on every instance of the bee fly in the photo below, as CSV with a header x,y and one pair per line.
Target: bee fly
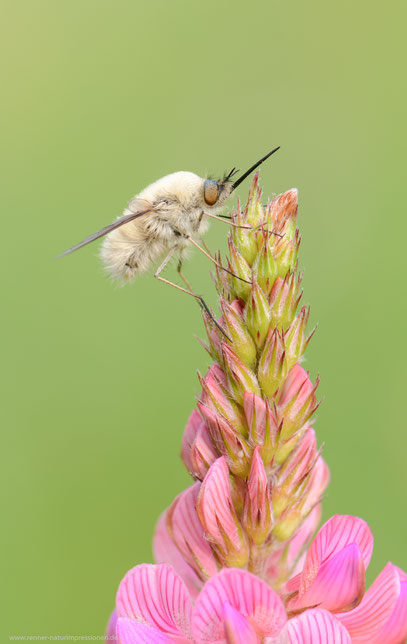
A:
x,y
164,219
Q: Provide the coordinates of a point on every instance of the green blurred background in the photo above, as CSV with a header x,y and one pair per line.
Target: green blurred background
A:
x,y
101,98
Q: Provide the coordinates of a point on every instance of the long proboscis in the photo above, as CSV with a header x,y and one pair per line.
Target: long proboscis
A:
x,y
253,167
104,231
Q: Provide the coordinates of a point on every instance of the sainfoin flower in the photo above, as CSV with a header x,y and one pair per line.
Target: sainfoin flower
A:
x,y
239,559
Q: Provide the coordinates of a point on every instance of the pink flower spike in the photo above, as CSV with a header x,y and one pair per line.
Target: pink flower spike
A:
x,y
188,534
365,622
339,584
338,532
218,516
166,552
313,627
238,628
131,632
395,629
247,594
155,596
111,627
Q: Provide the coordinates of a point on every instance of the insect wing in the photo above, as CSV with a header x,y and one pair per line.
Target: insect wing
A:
x,y
139,207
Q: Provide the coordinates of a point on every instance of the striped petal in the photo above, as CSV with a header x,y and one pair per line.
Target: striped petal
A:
x,y
131,632
339,584
313,627
165,551
238,628
395,629
188,534
156,596
247,594
337,533
365,622
218,516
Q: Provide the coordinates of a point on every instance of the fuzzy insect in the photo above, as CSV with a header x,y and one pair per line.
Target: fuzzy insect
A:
x,y
164,219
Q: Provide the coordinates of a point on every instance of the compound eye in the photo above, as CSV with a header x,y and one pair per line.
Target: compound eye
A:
x,y
211,191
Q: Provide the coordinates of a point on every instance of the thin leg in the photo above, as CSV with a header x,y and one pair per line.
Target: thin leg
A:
x,y
199,298
223,268
227,220
181,274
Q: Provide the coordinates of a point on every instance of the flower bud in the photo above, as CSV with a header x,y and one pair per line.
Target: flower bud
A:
x,y
215,395
288,522
239,267
228,442
284,298
243,343
294,337
296,401
197,451
219,519
273,364
243,238
239,377
288,488
253,213
284,213
257,314
286,253
265,267
214,338
263,428
257,509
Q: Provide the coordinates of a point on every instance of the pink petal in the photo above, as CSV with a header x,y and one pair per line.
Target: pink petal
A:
x,y
366,620
335,534
313,627
131,632
297,384
188,533
395,629
248,594
339,584
111,626
156,596
238,628
165,551
198,451
216,510
190,433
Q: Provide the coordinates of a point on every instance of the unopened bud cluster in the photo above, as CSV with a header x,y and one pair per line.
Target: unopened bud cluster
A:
x,y
250,445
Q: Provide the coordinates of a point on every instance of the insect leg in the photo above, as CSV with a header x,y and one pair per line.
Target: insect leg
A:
x,y
181,274
188,291
228,220
223,268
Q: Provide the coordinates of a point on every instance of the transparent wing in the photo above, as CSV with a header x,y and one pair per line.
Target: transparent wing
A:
x,y
139,207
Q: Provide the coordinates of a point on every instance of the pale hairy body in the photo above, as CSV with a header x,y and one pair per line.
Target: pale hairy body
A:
x,y
178,207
